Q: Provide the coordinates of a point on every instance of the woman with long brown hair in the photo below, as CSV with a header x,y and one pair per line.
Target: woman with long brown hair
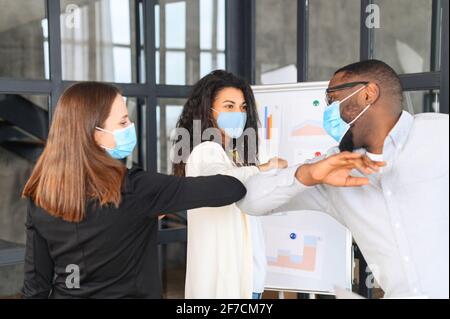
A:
x,y
91,222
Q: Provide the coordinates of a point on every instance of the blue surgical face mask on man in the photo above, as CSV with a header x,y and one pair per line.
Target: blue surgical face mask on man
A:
x,y
233,123
333,123
125,140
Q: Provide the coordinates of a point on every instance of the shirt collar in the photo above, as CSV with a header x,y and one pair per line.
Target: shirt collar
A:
x,y
400,132
397,137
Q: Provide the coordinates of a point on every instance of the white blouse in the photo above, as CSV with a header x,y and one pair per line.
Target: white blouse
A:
x,y
219,249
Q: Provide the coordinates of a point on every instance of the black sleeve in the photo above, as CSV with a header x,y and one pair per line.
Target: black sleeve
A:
x,y
39,265
163,194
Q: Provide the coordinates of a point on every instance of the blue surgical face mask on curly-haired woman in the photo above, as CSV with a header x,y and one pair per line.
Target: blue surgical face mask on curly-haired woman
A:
x,y
232,123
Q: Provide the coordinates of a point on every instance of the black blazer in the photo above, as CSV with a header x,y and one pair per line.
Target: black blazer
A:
x,y
114,250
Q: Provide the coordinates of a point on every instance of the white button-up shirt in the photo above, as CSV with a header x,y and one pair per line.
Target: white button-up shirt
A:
x,y
400,220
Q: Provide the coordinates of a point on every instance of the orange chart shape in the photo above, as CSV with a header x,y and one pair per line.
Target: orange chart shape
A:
x,y
308,129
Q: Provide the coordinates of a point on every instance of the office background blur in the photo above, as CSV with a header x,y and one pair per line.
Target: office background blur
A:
x,y
156,50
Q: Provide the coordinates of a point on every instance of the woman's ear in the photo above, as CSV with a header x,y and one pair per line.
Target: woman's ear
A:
x,y
98,137
104,139
214,113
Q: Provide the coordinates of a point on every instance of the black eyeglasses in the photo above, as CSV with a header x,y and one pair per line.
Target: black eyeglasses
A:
x,y
341,87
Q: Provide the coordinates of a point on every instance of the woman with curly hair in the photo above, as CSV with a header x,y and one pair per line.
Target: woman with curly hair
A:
x,y
225,254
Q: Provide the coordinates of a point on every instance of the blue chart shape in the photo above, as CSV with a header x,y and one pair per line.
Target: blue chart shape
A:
x,y
311,241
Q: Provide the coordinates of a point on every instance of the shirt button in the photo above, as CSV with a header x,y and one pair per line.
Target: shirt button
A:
x,y
416,291
397,225
406,258
388,193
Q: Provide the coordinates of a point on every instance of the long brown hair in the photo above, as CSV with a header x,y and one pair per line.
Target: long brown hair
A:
x,y
73,168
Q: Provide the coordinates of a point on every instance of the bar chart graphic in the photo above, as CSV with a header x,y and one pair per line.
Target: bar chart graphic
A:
x,y
288,259
293,251
268,123
308,128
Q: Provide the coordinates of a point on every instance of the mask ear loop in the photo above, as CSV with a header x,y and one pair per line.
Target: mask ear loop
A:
x,y
106,131
363,111
353,94
103,130
360,114
214,110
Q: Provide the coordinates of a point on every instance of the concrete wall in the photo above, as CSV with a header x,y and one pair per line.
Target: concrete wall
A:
x,y
14,172
21,51
334,34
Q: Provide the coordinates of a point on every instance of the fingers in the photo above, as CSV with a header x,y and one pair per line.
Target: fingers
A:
x,y
350,155
344,158
358,166
277,162
361,167
357,161
283,164
356,181
371,163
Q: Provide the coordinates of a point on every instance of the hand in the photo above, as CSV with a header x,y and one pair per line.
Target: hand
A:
x,y
273,163
335,170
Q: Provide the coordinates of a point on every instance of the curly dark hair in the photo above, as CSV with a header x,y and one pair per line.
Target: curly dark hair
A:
x,y
199,107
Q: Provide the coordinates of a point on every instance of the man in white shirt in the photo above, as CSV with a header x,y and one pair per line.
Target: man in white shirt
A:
x,y
400,220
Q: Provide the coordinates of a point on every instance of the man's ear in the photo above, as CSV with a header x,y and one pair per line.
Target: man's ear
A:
x,y
371,93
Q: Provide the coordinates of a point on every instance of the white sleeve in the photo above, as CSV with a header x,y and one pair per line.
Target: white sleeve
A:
x,y
280,191
209,158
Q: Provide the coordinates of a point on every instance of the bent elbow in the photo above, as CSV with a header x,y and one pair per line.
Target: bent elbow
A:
x,y
239,190
253,208
234,189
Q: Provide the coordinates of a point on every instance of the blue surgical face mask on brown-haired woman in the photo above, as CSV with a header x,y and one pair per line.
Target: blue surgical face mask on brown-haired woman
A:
x,y
125,140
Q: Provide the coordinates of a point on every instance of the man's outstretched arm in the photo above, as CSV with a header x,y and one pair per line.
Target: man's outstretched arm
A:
x,y
298,188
